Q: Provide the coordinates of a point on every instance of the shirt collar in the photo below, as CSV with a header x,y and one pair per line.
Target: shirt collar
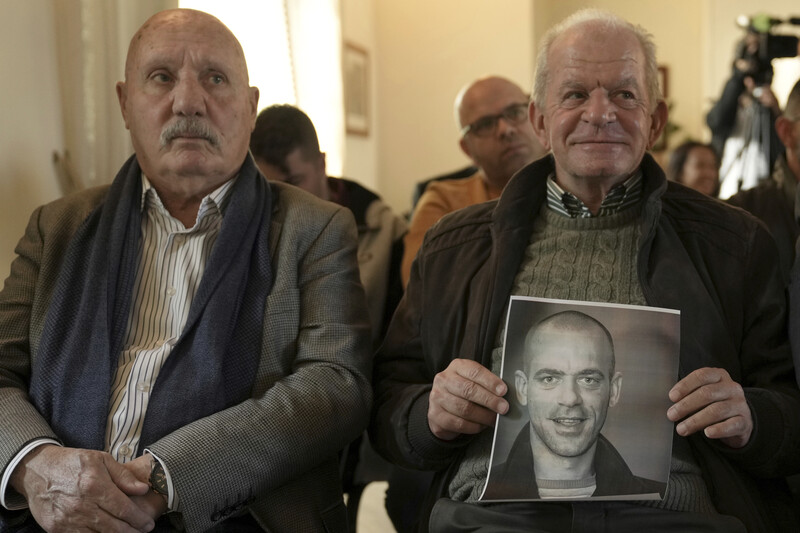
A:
x,y
619,198
216,200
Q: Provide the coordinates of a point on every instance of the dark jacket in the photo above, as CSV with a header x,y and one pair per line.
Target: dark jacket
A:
x,y
514,479
773,201
714,263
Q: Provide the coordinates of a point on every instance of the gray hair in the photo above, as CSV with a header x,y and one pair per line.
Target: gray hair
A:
x,y
610,22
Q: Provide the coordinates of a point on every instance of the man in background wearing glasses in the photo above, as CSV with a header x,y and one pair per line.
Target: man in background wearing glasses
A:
x,y
492,116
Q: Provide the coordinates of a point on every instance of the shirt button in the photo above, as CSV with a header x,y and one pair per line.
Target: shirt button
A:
x,y
171,291
143,387
124,450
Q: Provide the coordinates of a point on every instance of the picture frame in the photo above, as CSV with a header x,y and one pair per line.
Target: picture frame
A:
x,y
355,75
662,143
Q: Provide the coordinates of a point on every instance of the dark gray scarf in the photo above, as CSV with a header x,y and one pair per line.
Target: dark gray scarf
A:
x,y
214,363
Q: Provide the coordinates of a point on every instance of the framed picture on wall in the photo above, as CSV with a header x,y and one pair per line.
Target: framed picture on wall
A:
x,y
663,83
355,73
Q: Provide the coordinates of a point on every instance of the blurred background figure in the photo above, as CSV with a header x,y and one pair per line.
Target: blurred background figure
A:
x,y
496,134
773,200
742,122
285,147
695,165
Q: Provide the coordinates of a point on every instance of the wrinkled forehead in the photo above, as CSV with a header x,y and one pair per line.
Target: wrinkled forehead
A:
x,y
594,49
177,32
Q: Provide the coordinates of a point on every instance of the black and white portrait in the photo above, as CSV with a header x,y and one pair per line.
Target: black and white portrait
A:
x,y
588,387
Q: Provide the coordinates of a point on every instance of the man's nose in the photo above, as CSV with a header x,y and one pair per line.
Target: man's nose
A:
x,y
568,393
505,127
599,110
189,98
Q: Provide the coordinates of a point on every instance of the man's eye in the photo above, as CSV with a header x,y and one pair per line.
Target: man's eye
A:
x,y
627,95
217,79
548,380
589,381
574,95
484,124
160,77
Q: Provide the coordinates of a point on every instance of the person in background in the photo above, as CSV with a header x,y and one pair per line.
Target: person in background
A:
x,y
285,147
187,348
495,133
774,200
695,165
597,221
742,121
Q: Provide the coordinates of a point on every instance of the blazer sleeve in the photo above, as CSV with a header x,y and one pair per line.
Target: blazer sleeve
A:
x,y
20,422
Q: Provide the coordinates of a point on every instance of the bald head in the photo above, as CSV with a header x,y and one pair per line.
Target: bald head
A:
x,y
480,93
499,138
186,21
571,324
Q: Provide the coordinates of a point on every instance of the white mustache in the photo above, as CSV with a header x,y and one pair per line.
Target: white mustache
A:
x,y
191,127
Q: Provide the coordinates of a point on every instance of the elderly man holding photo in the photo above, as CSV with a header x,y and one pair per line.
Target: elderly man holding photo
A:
x,y
597,221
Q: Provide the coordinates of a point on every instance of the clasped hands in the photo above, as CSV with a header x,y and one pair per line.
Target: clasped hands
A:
x,y
70,489
466,397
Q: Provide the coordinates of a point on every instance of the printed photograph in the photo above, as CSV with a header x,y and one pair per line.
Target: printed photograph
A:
x,y
588,387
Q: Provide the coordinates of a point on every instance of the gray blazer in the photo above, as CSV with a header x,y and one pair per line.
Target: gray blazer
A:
x,y
275,454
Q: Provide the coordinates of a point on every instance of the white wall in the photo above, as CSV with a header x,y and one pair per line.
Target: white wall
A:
x,y
30,123
426,51
361,152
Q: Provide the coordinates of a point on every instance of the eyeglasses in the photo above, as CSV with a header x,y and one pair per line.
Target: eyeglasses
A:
x,y
486,126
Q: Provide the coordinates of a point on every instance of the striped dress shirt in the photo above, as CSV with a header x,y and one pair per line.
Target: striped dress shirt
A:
x,y
172,260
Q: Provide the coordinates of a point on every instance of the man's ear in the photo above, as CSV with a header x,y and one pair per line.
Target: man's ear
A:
x,y
252,98
658,121
462,142
539,126
616,389
521,385
122,97
785,130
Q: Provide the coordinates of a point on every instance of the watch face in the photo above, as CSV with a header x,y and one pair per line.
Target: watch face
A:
x,y
158,479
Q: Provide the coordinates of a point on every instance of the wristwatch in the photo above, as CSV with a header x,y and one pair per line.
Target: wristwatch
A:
x,y
158,479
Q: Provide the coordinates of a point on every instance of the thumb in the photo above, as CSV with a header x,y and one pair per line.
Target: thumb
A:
x,y
125,479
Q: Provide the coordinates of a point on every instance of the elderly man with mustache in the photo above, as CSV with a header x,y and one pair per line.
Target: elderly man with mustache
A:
x,y
165,340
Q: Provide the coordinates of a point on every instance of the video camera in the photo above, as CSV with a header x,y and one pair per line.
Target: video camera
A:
x,y
755,52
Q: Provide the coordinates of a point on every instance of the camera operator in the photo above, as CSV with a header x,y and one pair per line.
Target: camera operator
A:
x,y
742,122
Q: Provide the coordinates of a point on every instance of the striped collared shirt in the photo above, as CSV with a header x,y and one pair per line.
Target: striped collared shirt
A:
x,y
172,260
619,198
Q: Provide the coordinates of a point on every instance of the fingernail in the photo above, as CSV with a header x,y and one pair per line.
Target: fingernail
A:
x,y
681,429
